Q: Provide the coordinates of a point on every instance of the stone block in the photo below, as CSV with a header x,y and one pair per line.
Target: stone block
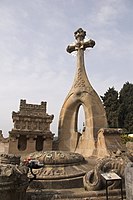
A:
x,y
129,181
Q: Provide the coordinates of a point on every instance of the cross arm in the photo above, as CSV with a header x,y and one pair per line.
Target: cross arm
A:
x,y
80,45
70,48
89,43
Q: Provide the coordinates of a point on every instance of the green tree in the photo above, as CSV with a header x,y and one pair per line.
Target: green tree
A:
x,y
125,118
111,105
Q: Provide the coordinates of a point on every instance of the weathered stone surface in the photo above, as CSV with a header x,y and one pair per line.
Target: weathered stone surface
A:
x,y
31,130
73,194
109,142
129,146
61,170
81,93
13,178
129,181
93,179
4,143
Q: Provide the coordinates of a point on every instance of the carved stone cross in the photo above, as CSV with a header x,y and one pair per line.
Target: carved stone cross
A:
x,y
81,94
80,44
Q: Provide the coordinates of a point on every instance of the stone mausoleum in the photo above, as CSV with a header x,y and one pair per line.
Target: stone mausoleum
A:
x,y
31,131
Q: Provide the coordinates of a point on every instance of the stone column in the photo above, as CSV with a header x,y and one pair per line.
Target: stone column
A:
x,y
47,144
31,142
13,145
37,125
26,125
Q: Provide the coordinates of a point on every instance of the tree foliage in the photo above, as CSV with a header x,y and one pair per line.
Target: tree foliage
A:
x,y
119,107
111,104
125,118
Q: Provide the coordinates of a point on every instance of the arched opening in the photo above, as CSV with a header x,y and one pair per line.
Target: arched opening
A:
x,y
39,143
22,142
80,120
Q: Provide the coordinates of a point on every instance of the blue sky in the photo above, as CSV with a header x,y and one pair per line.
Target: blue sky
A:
x,y
34,64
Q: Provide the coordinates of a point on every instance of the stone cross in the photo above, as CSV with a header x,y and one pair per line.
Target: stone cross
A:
x,y
80,44
81,94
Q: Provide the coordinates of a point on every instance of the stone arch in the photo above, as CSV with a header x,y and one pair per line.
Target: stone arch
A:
x,y
80,119
69,138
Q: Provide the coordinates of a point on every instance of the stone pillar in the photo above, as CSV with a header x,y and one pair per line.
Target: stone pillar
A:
x,y
13,145
47,144
13,178
26,125
129,181
31,142
37,125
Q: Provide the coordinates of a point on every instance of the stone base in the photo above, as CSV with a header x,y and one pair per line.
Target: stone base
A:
x,y
62,170
75,182
73,194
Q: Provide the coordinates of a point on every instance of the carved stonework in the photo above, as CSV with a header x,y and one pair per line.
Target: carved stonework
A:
x,y
61,169
13,178
79,82
9,159
31,123
81,94
56,157
93,179
109,141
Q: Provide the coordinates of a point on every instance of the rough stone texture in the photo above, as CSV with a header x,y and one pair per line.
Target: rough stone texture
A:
x,y
129,181
129,172
4,143
93,180
61,170
81,93
129,146
13,178
31,130
73,194
109,142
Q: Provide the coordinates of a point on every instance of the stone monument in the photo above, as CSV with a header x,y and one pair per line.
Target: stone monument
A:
x,y
31,130
81,94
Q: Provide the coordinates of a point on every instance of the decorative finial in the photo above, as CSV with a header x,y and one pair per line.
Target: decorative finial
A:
x,y
80,34
80,44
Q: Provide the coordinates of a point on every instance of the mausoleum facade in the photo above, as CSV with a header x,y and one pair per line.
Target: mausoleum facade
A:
x,y
31,131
